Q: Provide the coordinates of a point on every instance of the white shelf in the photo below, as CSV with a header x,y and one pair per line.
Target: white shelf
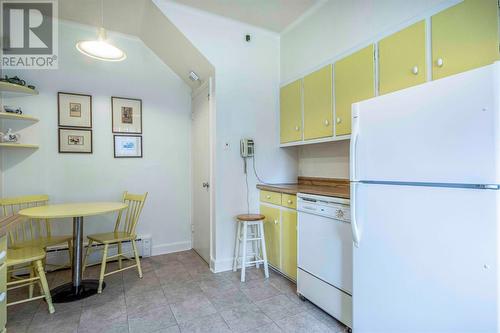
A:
x,y
16,90
7,115
310,142
17,145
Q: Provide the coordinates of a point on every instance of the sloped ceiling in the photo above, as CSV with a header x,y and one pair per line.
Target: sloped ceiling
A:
x,y
273,15
143,19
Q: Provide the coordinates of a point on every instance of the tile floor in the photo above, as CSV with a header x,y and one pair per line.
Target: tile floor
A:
x,y
178,293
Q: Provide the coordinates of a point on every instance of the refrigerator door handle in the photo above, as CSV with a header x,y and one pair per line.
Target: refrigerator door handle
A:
x,y
354,225
354,141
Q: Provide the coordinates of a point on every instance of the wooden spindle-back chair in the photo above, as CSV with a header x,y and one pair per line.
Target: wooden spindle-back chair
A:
x,y
124,231
33,232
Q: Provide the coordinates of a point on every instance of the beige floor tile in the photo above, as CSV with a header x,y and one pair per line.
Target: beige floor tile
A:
x,y
108,317
278,307
58,322
245,317
150,318
228,299
303,322
192,308
181,291
261,293
269,328
208,324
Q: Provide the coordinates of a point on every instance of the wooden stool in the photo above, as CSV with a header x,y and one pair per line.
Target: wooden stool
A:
x,y
250,229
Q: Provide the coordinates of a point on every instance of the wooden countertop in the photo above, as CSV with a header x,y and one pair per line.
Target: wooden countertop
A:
x,y
320,186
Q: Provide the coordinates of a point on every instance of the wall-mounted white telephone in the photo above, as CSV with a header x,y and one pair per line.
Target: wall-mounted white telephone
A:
x,y
247,147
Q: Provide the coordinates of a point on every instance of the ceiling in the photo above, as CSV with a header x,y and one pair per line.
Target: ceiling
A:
x,y
141,18
273,15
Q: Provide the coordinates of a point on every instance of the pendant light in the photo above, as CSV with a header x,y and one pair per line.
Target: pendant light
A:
x,y
101,49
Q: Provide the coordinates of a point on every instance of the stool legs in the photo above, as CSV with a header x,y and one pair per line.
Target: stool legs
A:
x,y
257,237
244,254
263,246
237,247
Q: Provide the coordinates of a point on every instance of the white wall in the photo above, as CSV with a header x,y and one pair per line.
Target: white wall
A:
x,y
247,90
336,28
326,160
165,169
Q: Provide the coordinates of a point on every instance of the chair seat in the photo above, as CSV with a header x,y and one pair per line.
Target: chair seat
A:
x,y
111,237
24,255
42,242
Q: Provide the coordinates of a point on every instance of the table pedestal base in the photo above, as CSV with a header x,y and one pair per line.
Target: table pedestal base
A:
x,y
68,293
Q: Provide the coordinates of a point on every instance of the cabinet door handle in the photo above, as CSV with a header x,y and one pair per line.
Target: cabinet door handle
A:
x,y
440,62
289,202
414,70
268,197
327,122
339,120
275,221
297,128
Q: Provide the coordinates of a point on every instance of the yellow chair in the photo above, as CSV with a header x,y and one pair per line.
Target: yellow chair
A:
x,y
123,232
31,258
33,232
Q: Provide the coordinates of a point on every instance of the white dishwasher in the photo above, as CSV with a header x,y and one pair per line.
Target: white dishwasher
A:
x,y
324,274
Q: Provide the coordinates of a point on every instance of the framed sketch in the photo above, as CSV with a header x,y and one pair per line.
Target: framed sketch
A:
x,y
74,110
75,140
127,145
126,115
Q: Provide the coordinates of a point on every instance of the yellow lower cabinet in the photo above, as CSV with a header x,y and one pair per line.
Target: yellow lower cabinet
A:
x,y
402,61
3,285
289,242
464,37
272,234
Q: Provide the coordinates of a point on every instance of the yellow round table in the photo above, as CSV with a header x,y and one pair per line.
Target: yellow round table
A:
x,y
77,288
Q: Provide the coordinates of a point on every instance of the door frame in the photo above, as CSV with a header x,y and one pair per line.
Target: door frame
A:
x,y
211,130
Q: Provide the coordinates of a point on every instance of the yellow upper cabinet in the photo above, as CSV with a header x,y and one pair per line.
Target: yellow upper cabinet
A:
x,y
291,112
464,37
402,62
354,82
318,104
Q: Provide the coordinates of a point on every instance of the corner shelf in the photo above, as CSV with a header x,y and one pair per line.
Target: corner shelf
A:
x,y
6,115
15,90
17,145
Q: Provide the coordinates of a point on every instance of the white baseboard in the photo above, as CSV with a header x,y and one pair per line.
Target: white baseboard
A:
x,y
223,265
171,247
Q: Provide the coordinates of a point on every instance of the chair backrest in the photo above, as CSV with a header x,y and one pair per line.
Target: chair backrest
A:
x,y
128,218
30,229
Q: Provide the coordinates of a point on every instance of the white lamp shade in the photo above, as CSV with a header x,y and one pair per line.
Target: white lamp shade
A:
x,y
100,49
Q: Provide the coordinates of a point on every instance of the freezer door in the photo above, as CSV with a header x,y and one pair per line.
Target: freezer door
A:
x,y
426,261
444,131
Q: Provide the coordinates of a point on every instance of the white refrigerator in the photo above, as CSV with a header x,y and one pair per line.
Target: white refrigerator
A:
x,y
425,207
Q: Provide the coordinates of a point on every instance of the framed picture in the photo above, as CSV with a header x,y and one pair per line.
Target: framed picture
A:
x,y
75,140
74,110
126,115
127,145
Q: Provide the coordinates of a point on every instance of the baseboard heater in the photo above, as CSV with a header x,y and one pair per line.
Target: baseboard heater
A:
x,y
58,255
